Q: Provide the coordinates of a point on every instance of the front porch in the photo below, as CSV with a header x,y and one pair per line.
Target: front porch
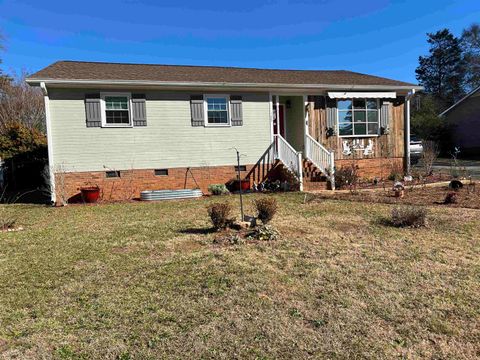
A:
x,y
314,134
295,148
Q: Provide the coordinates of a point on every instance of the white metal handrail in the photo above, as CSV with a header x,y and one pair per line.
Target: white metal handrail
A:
x,y
321,158
290,157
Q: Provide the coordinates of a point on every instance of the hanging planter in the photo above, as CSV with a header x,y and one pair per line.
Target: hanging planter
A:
x,y
90,194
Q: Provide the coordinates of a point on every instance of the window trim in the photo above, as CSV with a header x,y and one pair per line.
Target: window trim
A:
x,y
205,109
353,119
103,109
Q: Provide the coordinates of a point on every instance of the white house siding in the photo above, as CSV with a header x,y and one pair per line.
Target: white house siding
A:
x,y
167,141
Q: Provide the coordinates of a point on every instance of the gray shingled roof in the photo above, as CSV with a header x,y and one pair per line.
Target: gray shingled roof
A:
x,y
78,70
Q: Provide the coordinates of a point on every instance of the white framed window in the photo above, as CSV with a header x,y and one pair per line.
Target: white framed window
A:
x,y
358,117
116,109
217,110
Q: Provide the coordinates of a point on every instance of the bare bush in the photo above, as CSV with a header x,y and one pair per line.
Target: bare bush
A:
x,y
429,156
409,216
220,215
266,209
347,176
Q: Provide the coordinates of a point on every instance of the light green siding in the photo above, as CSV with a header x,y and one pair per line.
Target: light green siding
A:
x,y
167,141
294,121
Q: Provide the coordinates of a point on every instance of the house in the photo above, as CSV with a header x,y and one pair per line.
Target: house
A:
x,y
463,118
134,127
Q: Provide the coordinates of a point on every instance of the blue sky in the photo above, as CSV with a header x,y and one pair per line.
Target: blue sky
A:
x,y
380,37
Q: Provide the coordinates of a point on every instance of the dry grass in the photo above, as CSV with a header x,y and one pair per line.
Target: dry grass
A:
x,y
145,281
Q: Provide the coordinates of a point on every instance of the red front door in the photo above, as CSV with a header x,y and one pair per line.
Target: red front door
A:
x,y
279,124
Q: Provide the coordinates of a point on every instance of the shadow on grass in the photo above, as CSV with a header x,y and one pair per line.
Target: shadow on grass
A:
x,y
198,231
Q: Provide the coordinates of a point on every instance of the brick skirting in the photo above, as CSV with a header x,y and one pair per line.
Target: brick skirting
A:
x,y
371,168
132,182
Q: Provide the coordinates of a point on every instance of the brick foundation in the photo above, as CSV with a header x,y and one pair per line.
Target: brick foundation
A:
x,y
371,168
132,182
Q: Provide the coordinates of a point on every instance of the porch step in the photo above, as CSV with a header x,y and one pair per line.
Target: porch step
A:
x,y
312,173
313,178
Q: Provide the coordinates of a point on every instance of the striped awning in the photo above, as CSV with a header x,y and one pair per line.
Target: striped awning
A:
x,y
369,95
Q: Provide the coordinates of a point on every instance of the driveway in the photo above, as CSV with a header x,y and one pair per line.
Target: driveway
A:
x,y
444,165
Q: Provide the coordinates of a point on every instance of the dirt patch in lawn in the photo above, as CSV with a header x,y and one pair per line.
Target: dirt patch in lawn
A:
x,y
467,197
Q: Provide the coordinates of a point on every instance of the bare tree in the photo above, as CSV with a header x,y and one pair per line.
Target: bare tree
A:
x,y
22,103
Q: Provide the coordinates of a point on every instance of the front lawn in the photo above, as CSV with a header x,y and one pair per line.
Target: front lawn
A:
x,y
144,280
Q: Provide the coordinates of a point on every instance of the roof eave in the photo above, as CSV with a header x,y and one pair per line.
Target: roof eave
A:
x,y
197,84
460,101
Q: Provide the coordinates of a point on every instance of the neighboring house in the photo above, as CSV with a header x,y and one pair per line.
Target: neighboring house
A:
x,y
133,127
464,120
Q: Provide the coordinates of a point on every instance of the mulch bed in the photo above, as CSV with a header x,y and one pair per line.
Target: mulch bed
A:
x,y
467,197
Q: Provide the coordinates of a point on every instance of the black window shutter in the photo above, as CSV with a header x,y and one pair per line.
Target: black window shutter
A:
x,y
93,110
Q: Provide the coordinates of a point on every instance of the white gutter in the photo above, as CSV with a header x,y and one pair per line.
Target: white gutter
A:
x,y
48,121
33,81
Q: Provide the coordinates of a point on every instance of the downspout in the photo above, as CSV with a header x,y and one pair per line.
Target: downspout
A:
x,y
51,172
407,129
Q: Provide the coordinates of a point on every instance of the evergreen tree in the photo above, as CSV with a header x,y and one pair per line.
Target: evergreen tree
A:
x,y
470,43
442,71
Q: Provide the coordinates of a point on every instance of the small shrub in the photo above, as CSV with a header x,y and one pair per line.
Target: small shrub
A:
x,y
455,185
218,189
347,176
409,216
451,198
266,208
265,233
429,156
395,176
220,215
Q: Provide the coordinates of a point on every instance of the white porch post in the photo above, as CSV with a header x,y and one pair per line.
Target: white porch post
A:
x,y
305,126
270,112
48,123
407,129
300,171
277,113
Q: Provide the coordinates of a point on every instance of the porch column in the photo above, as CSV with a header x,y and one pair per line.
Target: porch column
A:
x,y
305,126
277,113
270,99
407,130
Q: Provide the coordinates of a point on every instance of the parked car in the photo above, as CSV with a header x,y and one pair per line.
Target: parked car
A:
x,y
416,148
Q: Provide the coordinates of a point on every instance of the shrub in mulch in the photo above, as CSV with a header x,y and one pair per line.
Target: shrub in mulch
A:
x,y
455,185
347,176
235,233
451,198
266,209
264,233
220,215
409,216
